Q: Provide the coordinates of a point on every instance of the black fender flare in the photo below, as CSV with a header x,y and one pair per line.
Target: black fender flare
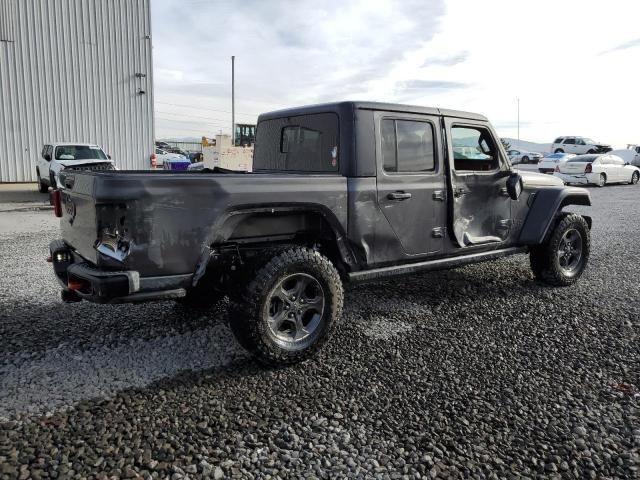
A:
x,y
546,204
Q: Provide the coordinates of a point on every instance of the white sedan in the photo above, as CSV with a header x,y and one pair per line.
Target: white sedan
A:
x,y
520,156
551,162
598,170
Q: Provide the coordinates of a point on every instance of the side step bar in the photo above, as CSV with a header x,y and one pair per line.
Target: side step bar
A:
x,y
429,265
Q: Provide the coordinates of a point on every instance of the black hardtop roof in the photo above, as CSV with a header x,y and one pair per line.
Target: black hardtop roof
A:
x,y
351,106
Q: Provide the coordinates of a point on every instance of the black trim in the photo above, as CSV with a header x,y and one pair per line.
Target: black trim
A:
x,y
430,265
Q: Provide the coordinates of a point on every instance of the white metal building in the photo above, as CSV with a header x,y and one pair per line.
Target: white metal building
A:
x,y
74,70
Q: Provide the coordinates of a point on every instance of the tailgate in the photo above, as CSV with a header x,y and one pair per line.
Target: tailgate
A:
x,y
78,223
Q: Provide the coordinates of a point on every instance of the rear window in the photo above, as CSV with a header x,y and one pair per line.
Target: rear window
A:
x,y
583,158
304,143
79,152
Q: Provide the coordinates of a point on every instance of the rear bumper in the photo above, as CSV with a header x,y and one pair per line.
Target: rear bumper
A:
x,y
579,178
105,286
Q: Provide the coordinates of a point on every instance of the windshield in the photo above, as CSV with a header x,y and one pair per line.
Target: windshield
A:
x,y
588,140
79,152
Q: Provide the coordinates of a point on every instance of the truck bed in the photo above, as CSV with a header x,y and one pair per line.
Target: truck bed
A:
x,y
170,218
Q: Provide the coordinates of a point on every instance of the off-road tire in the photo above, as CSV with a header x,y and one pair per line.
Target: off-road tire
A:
x,y
42,187
248,312
544,258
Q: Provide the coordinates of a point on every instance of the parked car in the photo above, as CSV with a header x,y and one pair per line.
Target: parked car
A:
x,y
171,148
552,161
598,170
578,145
631,154
522,156
319,209
56,157
158,158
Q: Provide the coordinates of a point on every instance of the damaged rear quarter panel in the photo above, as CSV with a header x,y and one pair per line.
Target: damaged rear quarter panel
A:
x,y
172,218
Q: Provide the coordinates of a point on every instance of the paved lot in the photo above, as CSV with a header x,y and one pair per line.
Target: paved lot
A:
x,y
477,371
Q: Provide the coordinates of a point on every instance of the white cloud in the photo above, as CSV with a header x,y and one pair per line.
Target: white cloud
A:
x,y
571,63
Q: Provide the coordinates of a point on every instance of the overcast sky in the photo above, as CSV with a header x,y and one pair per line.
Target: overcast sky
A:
x,y
573,64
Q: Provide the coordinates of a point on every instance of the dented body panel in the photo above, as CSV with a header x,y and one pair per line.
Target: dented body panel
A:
x,y
371,220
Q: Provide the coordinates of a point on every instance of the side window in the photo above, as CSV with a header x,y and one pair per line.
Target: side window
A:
x,y
473,149
569,141
558,140
407,146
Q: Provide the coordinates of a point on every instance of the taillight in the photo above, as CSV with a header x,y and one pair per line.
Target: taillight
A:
x,y
154,161
56,201
588,168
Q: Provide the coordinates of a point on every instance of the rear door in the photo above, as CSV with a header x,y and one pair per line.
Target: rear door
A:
x,y
411,181
569,145
481,206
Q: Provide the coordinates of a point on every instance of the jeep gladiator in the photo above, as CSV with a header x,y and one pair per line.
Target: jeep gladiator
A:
x,y
340,192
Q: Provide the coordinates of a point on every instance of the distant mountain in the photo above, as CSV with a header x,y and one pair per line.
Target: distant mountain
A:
x,y
528,146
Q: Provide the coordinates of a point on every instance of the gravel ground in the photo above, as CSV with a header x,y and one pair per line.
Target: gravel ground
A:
x,y
474,372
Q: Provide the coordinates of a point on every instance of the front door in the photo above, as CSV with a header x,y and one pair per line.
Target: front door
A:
x,y
480,208
411,182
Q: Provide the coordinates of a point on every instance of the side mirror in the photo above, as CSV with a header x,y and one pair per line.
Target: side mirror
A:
x,y
514,186
47,157
109,157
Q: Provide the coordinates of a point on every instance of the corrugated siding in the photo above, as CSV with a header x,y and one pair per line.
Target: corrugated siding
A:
x,y
68,74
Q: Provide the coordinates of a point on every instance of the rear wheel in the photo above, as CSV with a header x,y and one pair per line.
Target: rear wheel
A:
x,y
288,310
634,178
525,159
42,187
602,180
559,150
562,258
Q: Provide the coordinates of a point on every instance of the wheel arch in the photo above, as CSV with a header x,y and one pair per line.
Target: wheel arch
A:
x,y
546,205
286,223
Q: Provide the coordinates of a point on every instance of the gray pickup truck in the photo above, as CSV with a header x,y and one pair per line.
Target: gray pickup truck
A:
x,y
341,192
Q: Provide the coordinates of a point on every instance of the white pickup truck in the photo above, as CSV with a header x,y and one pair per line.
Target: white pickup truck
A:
x,y
56,157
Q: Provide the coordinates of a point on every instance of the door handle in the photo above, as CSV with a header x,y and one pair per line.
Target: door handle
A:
x,y
398,196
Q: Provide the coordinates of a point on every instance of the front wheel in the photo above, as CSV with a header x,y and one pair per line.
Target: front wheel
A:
x,y
562,258
525,159
288,310
559,150
52,181
634,178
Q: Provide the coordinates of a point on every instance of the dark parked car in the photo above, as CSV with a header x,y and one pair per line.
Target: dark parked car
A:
x,y
342,192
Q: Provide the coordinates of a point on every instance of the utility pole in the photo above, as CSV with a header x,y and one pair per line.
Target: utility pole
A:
x,y
233,100
518,99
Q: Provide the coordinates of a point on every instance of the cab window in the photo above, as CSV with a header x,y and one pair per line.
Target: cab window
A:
x,y
473,149
407,146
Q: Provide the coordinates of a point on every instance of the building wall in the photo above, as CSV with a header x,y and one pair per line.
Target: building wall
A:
x,y
73,70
